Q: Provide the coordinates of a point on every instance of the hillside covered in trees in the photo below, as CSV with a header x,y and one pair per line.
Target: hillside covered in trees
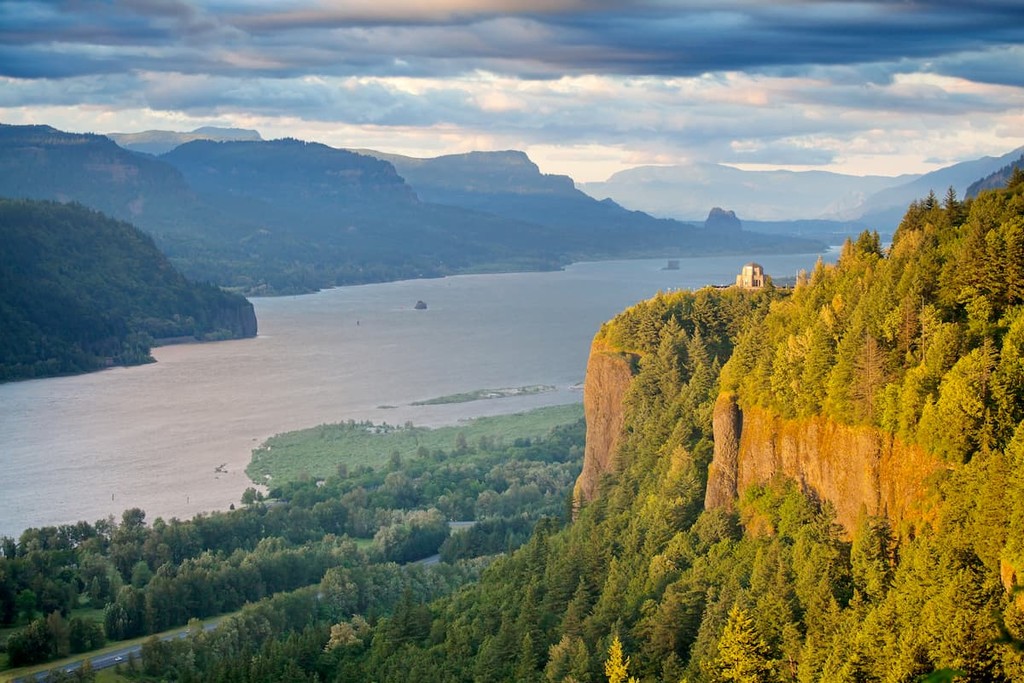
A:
x,y
920,344
80,291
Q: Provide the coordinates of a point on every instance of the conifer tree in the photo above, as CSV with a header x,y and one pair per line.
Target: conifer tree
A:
x,y
616,667
743,656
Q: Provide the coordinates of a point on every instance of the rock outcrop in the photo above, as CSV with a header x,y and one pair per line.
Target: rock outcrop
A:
x,y
854,468
609,373
236,319
722,221
728,425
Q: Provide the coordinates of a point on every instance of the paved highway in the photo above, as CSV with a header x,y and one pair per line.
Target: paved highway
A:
x,y
109,659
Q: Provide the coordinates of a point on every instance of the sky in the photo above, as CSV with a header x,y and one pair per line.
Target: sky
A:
x,y
585,87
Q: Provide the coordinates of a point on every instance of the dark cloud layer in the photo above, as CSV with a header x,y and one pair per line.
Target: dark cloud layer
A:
x,y
745,81
531,39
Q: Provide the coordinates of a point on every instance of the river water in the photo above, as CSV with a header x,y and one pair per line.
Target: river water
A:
x,y
173,437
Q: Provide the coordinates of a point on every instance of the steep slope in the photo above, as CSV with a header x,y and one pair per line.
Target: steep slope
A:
x,y
80,291
347,217
858,469
204,241
271,217
866,493
40,162
884,209
997,179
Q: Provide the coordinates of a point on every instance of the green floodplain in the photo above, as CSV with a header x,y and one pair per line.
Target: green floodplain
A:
x,y
317,452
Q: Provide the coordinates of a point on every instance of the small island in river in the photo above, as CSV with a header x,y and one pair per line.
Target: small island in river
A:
x,y
485,394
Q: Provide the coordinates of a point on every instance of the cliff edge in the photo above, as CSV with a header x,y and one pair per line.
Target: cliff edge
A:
x,y
854,468
609,373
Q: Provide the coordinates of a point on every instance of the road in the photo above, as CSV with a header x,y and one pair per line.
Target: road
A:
x,y
112,658
119,656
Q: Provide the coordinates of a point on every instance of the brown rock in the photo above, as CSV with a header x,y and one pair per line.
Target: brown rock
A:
x,y
609,374
722,473
849,466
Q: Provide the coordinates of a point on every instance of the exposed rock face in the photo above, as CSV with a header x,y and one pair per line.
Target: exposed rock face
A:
x,y
241,319
608,377
720,220
728,425
853,468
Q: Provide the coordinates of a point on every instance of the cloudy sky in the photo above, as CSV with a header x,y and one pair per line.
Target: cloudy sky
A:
x,y
586,87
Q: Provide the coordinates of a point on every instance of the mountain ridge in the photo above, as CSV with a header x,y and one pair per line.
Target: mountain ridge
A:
x,y
80,291
289,216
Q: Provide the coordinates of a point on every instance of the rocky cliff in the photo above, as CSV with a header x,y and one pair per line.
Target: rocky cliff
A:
x,y
853,468
608,377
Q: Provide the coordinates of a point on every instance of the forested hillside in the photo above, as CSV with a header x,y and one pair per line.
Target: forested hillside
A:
x,y
920,342
80,291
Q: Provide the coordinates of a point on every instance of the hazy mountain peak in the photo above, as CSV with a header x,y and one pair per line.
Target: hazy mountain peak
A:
x,y
691,190
477,172
721,220
158,142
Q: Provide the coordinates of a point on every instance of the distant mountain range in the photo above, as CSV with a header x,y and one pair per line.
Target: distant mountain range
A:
x,y
885,208
510,185
832,200
162,141
291,216
690,191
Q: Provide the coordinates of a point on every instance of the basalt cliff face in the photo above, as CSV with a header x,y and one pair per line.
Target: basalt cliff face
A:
x,y
854,468
609,373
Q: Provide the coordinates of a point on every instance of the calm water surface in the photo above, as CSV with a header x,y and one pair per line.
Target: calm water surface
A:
x,y
157,436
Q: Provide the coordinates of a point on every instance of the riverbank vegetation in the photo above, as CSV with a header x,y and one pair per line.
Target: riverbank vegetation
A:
x,y
149,577
319,452
647,583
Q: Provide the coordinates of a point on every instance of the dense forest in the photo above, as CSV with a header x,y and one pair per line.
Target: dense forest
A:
x,y
922,342
80,291
351,540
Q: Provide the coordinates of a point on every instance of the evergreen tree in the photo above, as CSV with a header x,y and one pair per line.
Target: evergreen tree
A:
x,y
743,656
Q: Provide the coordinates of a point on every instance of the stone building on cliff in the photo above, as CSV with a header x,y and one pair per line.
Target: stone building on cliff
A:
x,y
751,277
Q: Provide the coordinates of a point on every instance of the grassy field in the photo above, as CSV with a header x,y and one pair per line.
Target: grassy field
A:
x,y
317,452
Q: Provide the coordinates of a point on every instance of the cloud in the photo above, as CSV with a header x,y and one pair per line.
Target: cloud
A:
x,y
527,38
812,82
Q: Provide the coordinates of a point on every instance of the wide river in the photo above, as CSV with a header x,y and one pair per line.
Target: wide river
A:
x,y
174,437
